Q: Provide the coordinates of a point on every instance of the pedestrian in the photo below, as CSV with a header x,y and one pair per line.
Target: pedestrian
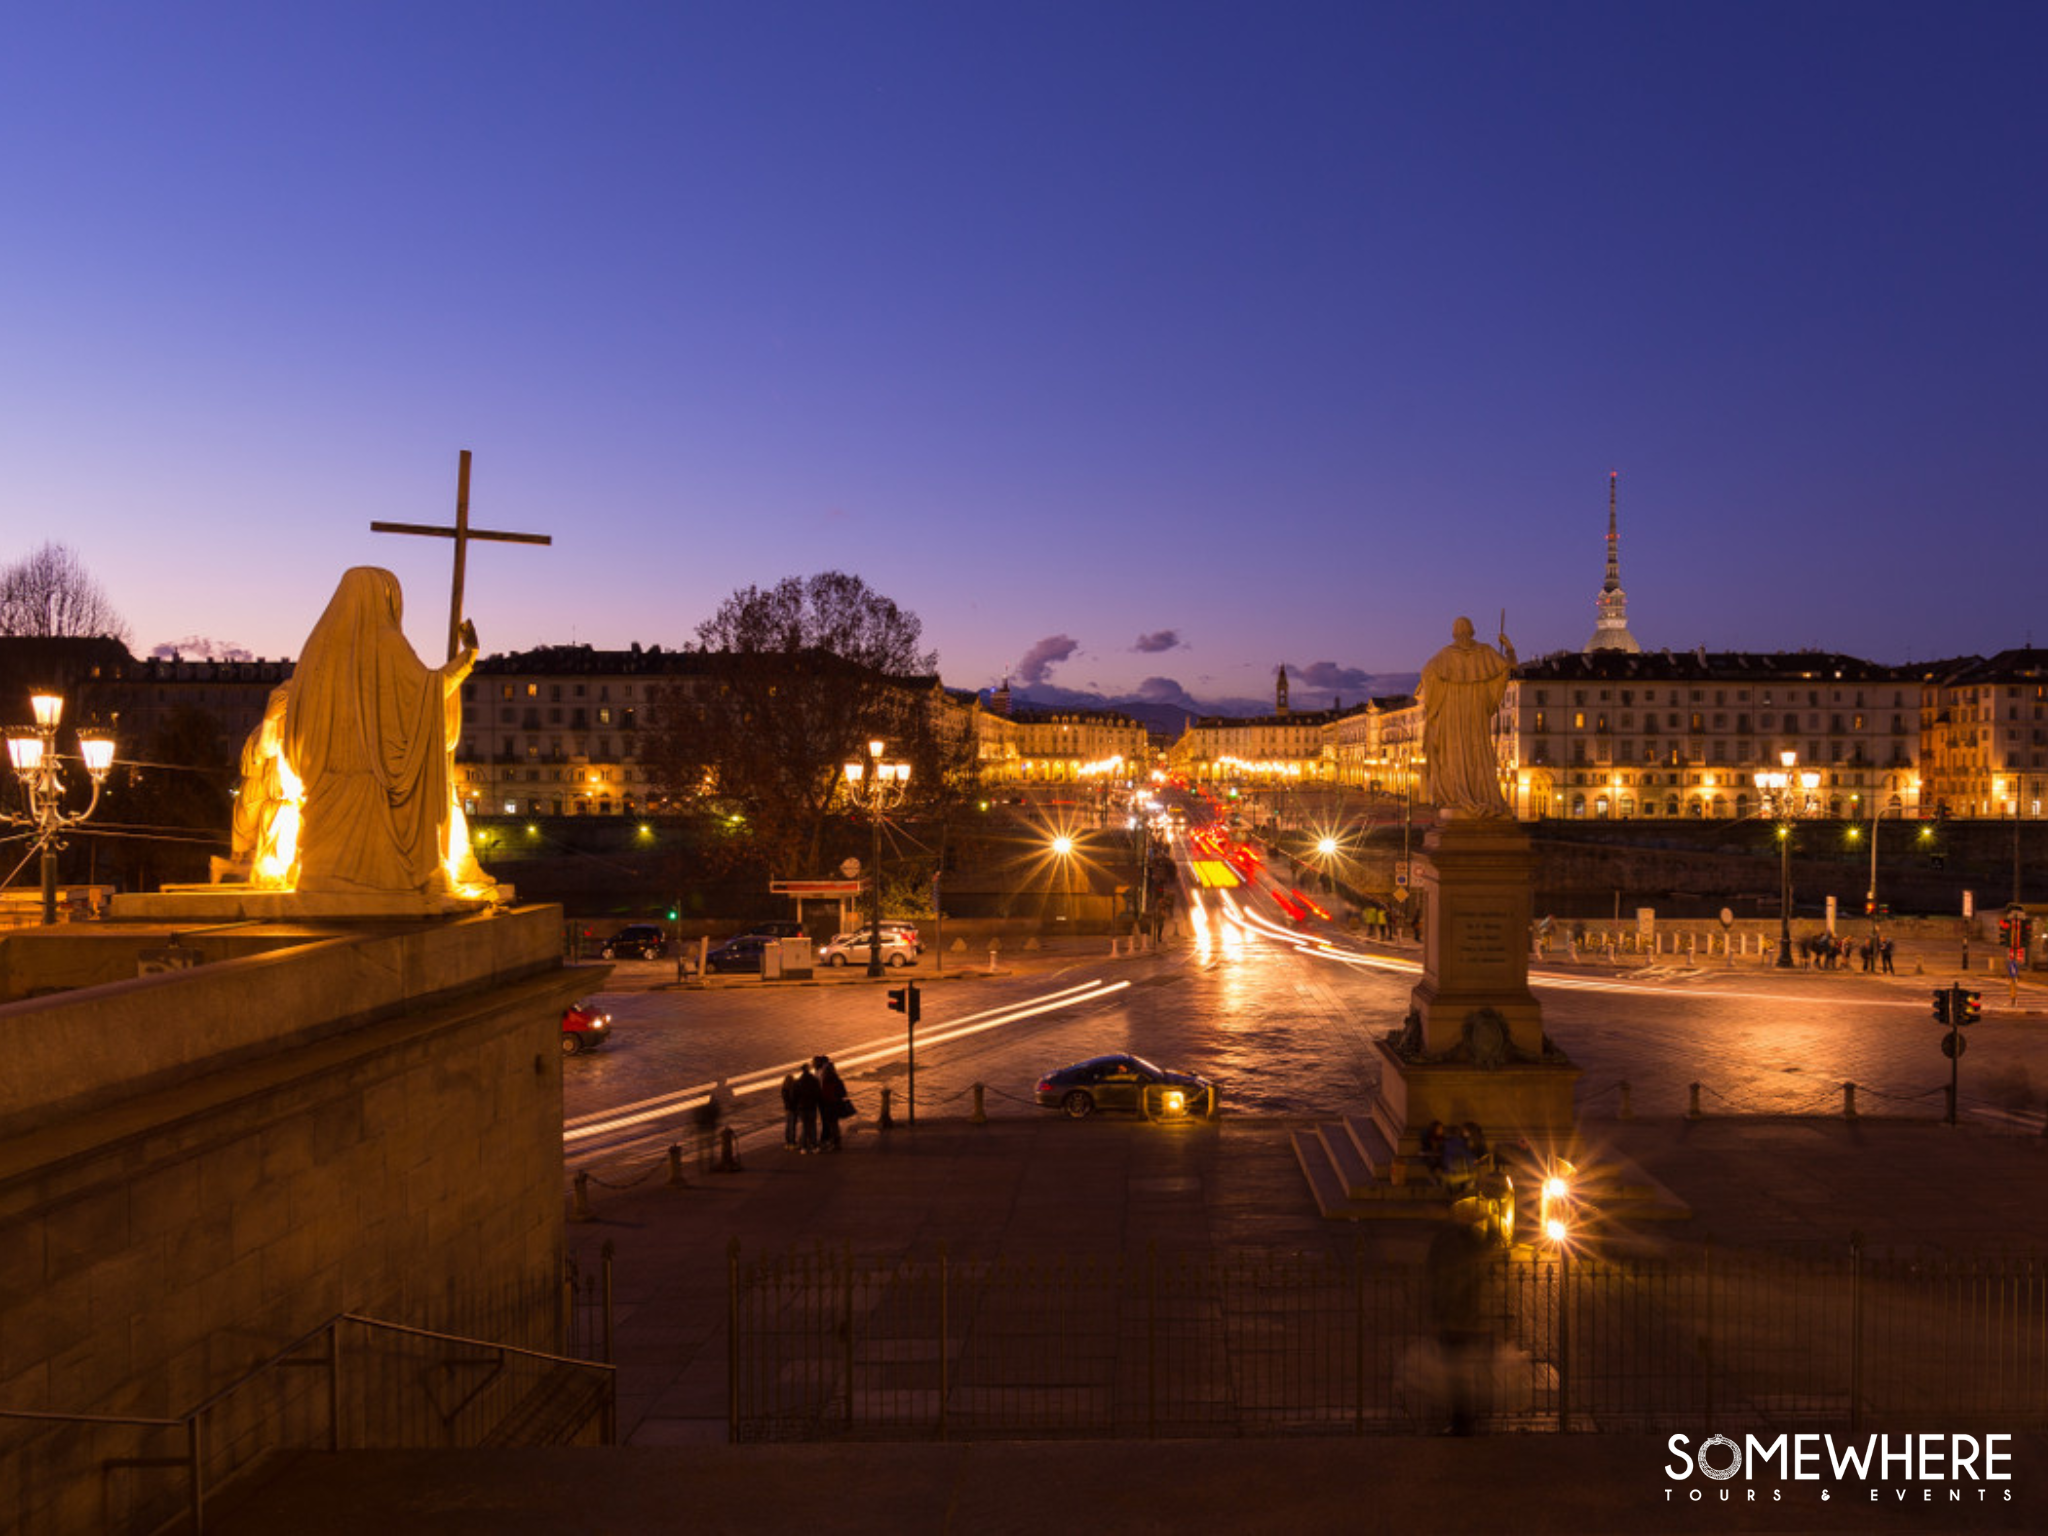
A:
x,y
1459,1266
807,1100
1863,951
789,1111
1884,953
831,1103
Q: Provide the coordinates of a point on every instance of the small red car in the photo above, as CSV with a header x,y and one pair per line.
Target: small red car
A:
x,y
585,1026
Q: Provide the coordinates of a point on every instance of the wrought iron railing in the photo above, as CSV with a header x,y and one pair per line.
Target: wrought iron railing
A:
x,y
352,1383
827,1347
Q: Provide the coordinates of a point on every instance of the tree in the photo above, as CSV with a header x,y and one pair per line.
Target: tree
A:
x,y
797,679
51,593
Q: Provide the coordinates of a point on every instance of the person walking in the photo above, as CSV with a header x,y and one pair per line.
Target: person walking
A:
x,y
789,1111
807,1103
831,1100
1884,953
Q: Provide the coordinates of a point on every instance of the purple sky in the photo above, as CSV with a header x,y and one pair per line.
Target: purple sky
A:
x,y
1119,342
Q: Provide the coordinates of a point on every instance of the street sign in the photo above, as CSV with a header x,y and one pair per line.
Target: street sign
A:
x,y
1400,872
1954,1043
1969,904
815,887
851,869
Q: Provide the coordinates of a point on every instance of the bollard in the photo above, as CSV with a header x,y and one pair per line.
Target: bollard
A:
x,y
980,1115
581,1210
991,959
1693,1108
1848,1101
675,1164
1627,1111
886,1120
728,1152
1112,946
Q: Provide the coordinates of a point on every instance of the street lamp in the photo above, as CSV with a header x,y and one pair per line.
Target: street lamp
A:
x,y
1776,786
33,751
876,786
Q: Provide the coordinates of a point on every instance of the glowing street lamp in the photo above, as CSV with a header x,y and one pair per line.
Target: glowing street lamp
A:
x,y
33,751
876,786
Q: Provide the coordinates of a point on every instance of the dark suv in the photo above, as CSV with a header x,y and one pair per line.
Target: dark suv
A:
x,y
637,941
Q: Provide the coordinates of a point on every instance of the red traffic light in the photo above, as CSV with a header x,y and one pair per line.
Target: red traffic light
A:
x,y
1971,1007
904,1000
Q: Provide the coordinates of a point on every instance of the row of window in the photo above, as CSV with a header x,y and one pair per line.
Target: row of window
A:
x,y
1541,751
532,690
1702,696
1698,722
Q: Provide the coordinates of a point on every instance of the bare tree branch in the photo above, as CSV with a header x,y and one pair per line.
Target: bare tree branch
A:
x,y
52,593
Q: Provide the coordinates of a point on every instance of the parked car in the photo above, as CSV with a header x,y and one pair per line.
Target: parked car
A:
x,y
854,949
776,928
740,954
585,1027
1125,1082
637,941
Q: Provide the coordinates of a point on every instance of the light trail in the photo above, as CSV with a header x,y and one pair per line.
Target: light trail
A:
x,y
1323,949
683,1100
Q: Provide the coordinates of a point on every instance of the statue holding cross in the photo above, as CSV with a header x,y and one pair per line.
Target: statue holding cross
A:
x,y
348,785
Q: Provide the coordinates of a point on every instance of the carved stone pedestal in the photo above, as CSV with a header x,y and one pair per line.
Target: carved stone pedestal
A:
x,y
1473,1046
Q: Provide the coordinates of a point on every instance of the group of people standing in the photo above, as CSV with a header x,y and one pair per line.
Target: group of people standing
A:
x,y
814,1101
1830,951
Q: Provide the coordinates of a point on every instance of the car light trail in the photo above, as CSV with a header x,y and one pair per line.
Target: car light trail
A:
x,y
1323,949
626,1116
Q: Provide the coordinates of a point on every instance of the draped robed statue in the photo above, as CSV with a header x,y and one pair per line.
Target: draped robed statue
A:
x,y
348,785
1462,686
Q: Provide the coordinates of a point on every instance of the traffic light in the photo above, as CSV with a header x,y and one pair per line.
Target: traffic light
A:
x,y
1941,996
904,1000
1969,1006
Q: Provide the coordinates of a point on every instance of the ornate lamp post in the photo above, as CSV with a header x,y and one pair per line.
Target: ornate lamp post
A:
x,y
876,786
33,751
1777,788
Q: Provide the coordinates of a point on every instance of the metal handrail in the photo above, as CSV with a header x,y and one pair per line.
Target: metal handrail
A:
x,y
190,1420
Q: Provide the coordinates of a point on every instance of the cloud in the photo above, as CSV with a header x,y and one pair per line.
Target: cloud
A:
x,y
1328,677
200,648
1163,690
1039,661
1158,640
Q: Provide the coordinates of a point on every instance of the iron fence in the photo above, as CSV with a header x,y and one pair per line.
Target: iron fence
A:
x,y
353,1383
827,1347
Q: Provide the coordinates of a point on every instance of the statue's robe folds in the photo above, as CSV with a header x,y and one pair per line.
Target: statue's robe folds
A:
x,y
1461,690
365,738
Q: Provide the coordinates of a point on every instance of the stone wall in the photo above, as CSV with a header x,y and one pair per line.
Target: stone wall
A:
x,y
198,1168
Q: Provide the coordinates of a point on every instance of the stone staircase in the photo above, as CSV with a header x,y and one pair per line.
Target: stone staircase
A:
x,y
1355,1174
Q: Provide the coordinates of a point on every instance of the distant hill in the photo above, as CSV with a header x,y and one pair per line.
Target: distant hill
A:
x,y
1168,716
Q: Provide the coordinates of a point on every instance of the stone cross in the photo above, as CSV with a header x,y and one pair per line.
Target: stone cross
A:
x,y
461,533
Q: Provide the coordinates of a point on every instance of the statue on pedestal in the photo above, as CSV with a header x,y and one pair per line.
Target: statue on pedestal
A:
x,y
1461,690
348,785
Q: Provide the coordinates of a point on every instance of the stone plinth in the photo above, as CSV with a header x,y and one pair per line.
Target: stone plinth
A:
x,y
1527,1099
1474,878
1473,1048
230,903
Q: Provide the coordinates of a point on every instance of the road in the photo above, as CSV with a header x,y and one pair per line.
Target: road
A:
x,y
1282,1016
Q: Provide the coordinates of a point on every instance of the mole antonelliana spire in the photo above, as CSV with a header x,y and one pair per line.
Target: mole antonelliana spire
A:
x,y
1611,632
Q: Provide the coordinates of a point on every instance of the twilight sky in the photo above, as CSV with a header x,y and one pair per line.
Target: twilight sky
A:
x,y
1136,348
